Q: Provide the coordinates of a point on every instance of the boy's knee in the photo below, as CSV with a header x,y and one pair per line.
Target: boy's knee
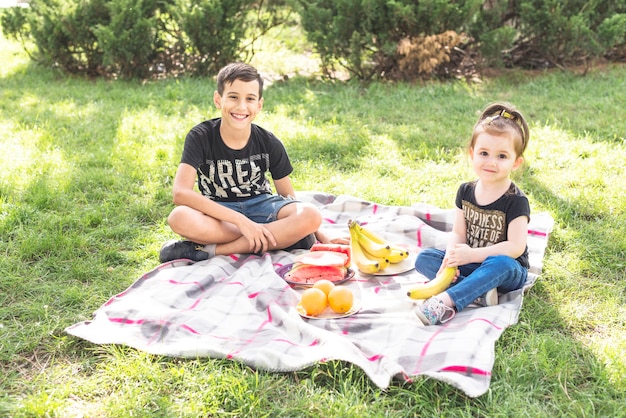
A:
x,y
175,216
313,215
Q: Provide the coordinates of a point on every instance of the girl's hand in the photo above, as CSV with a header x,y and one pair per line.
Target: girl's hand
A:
x,y
460,255
445,264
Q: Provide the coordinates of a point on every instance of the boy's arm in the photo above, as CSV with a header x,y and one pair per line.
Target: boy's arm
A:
x,y
184,194
284,187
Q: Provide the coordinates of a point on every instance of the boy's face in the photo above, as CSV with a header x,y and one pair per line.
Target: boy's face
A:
x,y
240,103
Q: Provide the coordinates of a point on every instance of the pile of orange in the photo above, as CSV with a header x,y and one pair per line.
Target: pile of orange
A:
x,y
324,293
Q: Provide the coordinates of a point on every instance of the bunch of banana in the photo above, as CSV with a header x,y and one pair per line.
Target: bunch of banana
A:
x,y
370,252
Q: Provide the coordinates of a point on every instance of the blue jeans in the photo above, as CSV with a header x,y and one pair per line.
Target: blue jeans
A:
x,y
262,209
476,279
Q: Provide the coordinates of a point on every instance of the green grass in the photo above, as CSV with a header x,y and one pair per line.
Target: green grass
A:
x,y
85,183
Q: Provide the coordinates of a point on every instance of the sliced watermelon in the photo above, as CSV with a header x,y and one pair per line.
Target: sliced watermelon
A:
x,y
322,258
338,248
308,274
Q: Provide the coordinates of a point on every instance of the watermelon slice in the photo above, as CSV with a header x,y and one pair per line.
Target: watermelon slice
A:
x,y
309,274
338,248
322,258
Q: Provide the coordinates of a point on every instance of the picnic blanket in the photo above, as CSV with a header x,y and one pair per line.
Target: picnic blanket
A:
x,y
238,307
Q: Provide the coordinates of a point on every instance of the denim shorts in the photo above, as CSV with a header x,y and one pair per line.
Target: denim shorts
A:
x,y
261,209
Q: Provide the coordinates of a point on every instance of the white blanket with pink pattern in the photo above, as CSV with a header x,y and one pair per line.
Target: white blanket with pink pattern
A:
x,y
237,307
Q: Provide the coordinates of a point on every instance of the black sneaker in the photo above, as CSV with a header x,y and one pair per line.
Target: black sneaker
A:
x,y
304,244
175,250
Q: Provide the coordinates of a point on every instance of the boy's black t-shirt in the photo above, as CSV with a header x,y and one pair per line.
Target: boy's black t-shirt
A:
x,y
488,225
225,174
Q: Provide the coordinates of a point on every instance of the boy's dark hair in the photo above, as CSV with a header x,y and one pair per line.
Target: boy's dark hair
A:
x,y
238,71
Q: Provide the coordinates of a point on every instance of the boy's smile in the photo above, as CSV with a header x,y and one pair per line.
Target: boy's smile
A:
x,y
240,104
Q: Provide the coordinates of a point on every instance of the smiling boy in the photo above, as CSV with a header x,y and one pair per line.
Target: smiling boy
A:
x,y
229,156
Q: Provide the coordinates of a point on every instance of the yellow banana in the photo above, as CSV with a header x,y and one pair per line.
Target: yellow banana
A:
x,y
376,246
369,233
359,258
383,263
435,286
372,248
397,254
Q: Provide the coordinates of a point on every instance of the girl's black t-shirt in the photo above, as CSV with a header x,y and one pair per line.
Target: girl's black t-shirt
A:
x,y
487,225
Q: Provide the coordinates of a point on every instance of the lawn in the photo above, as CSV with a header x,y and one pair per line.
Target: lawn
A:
x,y
87,169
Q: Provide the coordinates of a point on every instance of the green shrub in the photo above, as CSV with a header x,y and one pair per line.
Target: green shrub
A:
x,y
140,38
129,39
549,32
363,36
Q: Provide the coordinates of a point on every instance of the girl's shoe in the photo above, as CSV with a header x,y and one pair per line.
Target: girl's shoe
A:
x,y
488,299
433,312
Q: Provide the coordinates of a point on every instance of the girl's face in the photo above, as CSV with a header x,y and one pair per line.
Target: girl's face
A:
x,y
494,157
240,103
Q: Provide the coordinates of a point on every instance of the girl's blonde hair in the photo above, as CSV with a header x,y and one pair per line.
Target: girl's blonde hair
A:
x,y
502,117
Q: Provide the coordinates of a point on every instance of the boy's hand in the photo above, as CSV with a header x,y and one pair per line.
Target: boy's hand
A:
x,y
325,239
259,237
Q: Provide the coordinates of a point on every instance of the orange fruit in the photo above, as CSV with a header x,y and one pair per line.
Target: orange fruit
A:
x,y
314,301
325,285
340,299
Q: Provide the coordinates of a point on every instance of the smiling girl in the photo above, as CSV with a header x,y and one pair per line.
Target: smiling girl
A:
x,y
487,244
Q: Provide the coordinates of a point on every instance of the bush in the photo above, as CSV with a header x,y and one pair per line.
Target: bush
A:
x,y
140,38
386,39
550,32
129,39
363,36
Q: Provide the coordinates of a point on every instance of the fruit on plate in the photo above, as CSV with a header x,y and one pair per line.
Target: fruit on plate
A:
x,y
340,299
371,252
338,248
363,263
311,273
324,285
435,286
322,258
314,301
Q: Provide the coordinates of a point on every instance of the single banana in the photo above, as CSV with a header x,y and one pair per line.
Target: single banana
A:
x,y
383,263
397,254
359,258
371,248
433,287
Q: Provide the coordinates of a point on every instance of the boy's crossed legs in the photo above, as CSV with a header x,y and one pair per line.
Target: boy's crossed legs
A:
x,y
292,224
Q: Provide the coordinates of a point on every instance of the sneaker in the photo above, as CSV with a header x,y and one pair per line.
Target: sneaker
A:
x,y
175,249
433,312
304,244
488,299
